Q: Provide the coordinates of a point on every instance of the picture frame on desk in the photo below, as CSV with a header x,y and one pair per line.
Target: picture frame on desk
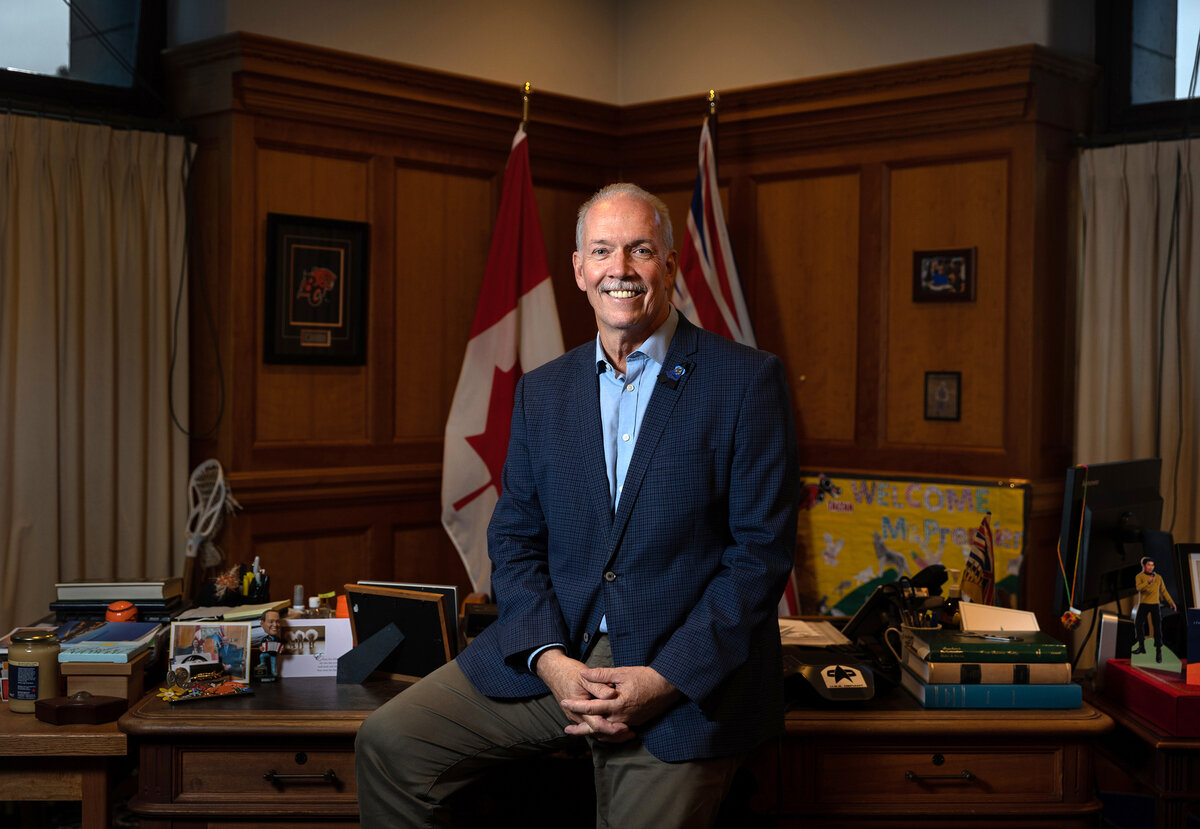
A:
x,y
212,645
1188,556
316,291
420,617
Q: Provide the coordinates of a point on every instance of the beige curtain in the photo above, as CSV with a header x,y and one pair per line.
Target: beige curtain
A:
x,y
93,475
1138,287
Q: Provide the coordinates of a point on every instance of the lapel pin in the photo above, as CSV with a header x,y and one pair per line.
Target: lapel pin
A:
x,y
677,371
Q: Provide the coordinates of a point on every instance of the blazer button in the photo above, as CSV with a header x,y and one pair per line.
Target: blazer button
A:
x,y
587,637
610,576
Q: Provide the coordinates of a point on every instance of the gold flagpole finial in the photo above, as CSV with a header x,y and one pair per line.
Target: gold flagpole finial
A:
x,y
713,99
526,91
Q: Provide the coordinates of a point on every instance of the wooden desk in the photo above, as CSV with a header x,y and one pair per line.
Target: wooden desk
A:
x,y
896,764
222,762
39,761
1166,767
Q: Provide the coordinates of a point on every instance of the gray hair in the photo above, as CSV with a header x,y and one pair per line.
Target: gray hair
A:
x,y
627,189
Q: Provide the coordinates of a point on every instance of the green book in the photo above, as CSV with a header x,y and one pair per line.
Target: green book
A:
x,y
956,646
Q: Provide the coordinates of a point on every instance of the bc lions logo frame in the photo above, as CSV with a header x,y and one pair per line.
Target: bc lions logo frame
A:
x,y
316,290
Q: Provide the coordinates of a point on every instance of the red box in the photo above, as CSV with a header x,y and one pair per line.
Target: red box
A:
x,y
1161,699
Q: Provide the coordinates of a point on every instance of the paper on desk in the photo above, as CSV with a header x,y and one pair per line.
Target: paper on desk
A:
x,y
810,634
244,612
982,618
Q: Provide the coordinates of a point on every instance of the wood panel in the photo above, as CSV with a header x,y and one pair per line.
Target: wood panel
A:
x,y
297,404
961,204
442,232
807,299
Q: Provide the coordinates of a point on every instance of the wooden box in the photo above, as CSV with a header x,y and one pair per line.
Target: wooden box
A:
x,y
126,680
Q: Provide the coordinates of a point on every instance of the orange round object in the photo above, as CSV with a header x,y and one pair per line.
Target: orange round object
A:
x,y
121,611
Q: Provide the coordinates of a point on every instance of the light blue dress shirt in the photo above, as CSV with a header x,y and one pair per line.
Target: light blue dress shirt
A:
x,y
624,399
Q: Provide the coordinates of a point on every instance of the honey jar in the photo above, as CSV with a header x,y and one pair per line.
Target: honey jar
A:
x,y
32,669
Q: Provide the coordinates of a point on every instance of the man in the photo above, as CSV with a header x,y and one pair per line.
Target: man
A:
x,y
1151,591
642,540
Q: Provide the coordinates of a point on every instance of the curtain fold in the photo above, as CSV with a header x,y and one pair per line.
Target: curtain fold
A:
x,y
1138,334
92,245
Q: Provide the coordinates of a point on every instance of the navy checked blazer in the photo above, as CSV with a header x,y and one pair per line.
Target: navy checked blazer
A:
x,y
690,569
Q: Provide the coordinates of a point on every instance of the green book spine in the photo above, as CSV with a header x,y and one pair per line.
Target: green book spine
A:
x,y
955,646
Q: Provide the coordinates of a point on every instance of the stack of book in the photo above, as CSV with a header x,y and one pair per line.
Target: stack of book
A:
x,y
953,669
88,599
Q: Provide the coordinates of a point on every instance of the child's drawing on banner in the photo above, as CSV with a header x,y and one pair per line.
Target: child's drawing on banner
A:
x,y
858,533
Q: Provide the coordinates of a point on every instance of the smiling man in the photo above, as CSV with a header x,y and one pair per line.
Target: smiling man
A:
x,y
639,549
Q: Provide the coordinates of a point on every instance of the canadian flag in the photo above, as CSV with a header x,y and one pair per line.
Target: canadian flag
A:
x,y
515,330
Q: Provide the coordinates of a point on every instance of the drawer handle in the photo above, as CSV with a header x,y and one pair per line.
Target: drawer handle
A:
x,y
327,776
962,775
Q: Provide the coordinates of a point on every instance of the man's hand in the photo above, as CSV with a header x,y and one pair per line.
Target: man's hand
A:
x,y
564,677
639,694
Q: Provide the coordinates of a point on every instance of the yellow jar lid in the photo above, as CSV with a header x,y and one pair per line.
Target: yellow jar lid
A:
x,y
35,635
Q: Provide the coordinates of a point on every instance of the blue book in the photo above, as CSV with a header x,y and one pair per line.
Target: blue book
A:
x,y
1063,695
105,641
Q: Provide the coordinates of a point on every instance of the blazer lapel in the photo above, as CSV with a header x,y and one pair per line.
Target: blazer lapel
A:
x,y
669,388
584,408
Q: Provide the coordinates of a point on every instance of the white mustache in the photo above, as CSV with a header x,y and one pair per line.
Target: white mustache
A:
x,y
623,285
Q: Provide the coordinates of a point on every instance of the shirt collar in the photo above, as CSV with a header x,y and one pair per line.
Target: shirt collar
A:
x,y
655,347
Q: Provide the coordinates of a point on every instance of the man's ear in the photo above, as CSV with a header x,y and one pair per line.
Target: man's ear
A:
x,y
577,265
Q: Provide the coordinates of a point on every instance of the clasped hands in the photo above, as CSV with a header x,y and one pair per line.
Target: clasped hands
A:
x,y
604,702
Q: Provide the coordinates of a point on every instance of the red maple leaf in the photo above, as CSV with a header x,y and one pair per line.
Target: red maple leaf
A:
x,y
492,443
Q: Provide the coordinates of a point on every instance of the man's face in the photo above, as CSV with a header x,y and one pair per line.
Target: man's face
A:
x,y
270,624
1148,567
625,268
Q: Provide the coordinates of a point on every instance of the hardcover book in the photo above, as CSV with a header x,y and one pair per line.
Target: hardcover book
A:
x,y
116,590
1010,646
979,673
1066,695
105,641
1160,698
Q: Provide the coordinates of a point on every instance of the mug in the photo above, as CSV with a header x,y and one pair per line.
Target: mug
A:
x,y
905,634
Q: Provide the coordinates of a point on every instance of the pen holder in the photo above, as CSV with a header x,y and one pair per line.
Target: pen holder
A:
x,y
904,636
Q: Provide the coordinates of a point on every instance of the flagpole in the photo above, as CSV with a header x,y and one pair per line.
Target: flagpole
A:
x,y
713,99
526,91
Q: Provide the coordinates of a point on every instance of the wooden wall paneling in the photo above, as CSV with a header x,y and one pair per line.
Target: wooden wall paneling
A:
x,y
558,207
443,221
423,553
959,204
301,403
807,287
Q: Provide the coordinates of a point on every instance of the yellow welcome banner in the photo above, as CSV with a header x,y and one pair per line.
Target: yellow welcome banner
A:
x,y
858,533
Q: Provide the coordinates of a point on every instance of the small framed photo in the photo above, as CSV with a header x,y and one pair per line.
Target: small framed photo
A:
x,y
1189,562
943,395
316,291
944,275
201,649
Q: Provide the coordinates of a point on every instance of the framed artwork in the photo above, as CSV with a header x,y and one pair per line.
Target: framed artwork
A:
x,y
316,291
943,395
199,648
944,275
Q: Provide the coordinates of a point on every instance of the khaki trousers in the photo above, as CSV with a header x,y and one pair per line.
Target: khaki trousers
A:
x,y
430,741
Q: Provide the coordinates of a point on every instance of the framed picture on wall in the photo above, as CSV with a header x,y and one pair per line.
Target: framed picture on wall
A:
x,y
943,395
316,291
1189,563
944,275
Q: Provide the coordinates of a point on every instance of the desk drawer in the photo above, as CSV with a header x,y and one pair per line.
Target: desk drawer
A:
x,y
867,774
297,774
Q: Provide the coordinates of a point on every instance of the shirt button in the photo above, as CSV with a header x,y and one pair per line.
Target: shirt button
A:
x,y
629,387
610,576
625,438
